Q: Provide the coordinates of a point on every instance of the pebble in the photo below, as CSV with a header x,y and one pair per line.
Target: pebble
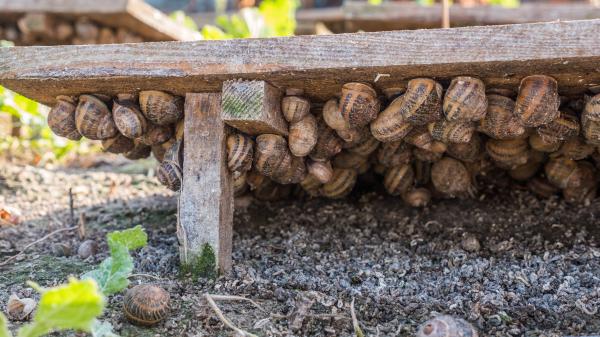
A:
x,y
87,248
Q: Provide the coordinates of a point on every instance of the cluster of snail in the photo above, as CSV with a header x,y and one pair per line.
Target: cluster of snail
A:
x,y
43,29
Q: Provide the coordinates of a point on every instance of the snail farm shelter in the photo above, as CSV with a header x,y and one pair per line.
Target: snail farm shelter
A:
x,y
265,68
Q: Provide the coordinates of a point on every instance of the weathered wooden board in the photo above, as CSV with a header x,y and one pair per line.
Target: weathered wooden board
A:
x,y
135,15
206,201
500,55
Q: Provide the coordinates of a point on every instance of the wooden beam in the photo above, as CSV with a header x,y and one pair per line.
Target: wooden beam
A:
x,y
500,55
135,15
206,200
253,107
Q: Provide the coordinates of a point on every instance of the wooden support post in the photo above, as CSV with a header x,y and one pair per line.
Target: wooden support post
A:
x,y
253,107
206,201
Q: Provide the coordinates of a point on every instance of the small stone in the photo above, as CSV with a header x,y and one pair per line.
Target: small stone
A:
x,y
87,248
19,309
470,243
61,249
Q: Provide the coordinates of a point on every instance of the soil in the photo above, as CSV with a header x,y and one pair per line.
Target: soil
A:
x,y
508,262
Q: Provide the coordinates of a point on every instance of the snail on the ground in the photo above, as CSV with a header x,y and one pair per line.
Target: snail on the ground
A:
x,y
450,177
161,108
446,326
559,171
240,152
538,101
128,118
465,99
341,183
146,304
93,118
358,104
294,108
500,122
61,118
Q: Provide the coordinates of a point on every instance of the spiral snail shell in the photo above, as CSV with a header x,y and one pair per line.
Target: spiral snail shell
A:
x,y
565,126
161,108
157,134
311,185
466,152
421,138
394,154
500,121
508,153
128,118
294,173
574,148
446,326
530,168
592,108
322,171
450,177
240,186
365,148
139,151
272,157
146,304
93,119
399,179
240,152
452,131
295,108
302,136
333,116
559,171
358,104
538,101
349,160
328,143
465,99
391,125
61,118
354,136
582,185
118,144
170,170
422,101
417,197
546,144
341,183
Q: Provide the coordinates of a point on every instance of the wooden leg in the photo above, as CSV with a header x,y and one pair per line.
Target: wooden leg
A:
x,y
206,201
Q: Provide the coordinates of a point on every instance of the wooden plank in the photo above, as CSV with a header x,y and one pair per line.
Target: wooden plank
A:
x,y
253,107
206,200
135,15
500,55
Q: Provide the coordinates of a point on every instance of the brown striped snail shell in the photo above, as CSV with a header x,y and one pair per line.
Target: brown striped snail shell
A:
x,y
359,104
391,125
544,144
422,101
417,197
160,107
295,172
240,186
508,153
590,128
146,304
302,136
465,99
425,155
447,326
451,177
139,151
341,184
565,126
530,168
129,119
365,148
500,122
420,137
541,187
592,108
157,134
240,152
61,118
328,143
312,185
349,160
452,131
560,170
538,101
272,157
333,116
394,154
583,185
322,171
93,118
272,191
118,144
574,148
169,174
399,179
466,152
294,108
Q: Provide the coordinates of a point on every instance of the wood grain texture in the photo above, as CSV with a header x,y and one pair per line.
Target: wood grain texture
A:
x,y
206,200
500,55
135,15
253,107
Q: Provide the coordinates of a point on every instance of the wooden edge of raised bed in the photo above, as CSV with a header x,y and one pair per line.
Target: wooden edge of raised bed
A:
x,y
499,55
134,15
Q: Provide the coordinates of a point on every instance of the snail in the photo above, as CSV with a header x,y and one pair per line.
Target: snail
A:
x,y
565,126
538,101
452,131
93,118
451,177
446,326
272,157
466,152
160,107
592,108
417,197
559,171
341,183
399,179
528,170
302,136
293,174
394,154
541,187
425,155
295,108
391,125
239,183
139,151
311,185
582,185
170,170
500,122
465,99
61,118
354,136
421,138
240,152
333,116
508,153
328,143
146,304
358,104
349,160
590,129
118,144
159,151
574,148
422,101
365,148
544,144
128,118
322,171
157,134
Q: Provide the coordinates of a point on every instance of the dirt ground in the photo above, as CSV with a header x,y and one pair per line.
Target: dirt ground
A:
x,y
536,273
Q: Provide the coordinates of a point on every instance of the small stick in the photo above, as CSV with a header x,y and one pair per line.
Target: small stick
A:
x,y
146,275
223,319
36,242
237,298
357,330
445,13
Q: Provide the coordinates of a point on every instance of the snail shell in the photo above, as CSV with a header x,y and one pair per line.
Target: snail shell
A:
x,y
272,158
240,151
590,128
508,153
450,177
542,187
349,160
365,148
157,134
399,179
295,172
452,131
312,185
341,183
500,122
169,174
146,304
328,143
466,152
582,186
160,107
394,154
295,108
139,151
428,156
530,168
19,309
592,108
446,326
129,119
118,144
240,186
544,144
391,125
322,171
333,116
358,104
61,118
421,138
422,101
417,197
538,101
465,99
302,136
565,126
354,136
93,119
574,148
560,170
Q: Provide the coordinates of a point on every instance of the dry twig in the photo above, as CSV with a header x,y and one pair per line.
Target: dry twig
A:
x,y
224,319
36,242
357,330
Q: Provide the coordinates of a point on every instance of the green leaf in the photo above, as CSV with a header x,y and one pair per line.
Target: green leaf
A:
x,y
132,238
72,306
102,329
112,273
3,327
184,20
280,16
210,32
